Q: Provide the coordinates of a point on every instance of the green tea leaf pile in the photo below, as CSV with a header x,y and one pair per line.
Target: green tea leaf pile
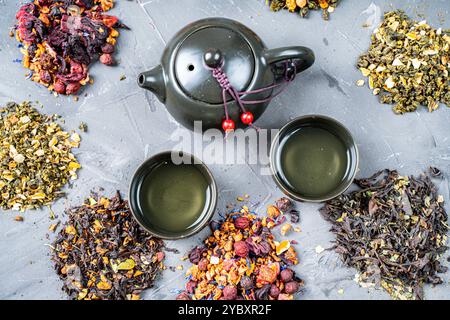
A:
x,y
35,157
302,7
408,64
393,231
103,253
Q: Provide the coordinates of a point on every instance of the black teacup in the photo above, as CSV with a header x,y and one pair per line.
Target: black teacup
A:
x,y
173,199
314,158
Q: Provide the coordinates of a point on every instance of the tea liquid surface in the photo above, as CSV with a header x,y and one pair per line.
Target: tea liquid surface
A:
x,y
173,198
313,161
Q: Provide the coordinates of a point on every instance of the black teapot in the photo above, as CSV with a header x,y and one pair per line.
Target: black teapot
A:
x,y
185,83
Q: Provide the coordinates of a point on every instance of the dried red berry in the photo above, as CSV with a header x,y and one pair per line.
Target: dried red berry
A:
x,y
291,287
229,293
242,223
60,87
286,275
73,87
107,59
274,291
107,48
241,249
45,76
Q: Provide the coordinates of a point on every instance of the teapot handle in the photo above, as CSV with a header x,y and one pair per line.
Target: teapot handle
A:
x,y
303,57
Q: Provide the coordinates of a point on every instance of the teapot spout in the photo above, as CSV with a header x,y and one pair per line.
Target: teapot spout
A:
x,y
153,80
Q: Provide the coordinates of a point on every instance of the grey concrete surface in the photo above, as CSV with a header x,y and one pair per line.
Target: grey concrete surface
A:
x,y
126,125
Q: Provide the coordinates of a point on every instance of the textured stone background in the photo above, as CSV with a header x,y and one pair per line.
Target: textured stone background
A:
x,y
126,125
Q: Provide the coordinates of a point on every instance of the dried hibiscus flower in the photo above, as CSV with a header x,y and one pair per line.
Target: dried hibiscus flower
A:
x,y
61,38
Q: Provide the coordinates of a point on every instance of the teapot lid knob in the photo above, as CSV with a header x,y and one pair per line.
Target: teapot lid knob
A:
x,y
213,58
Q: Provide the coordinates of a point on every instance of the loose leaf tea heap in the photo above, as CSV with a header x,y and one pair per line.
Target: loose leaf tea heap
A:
x,y
393,231
408,64
61,38
302,7
35,157
102,252
242,260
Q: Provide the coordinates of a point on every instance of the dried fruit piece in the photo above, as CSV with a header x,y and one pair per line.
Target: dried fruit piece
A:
x,y
283,246
267,274
273,212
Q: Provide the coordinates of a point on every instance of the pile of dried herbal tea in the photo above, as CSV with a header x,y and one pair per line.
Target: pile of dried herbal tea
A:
x,y
241,260
408,64
302,7
393,231
61,38
35,157
103,253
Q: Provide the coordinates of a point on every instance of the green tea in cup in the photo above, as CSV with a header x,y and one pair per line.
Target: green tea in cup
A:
x,y
172,200
314,158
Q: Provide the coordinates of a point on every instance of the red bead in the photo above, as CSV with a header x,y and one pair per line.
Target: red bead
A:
x,y
247,117
228,125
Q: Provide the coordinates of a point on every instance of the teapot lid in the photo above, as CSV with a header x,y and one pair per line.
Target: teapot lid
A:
x,y
193,75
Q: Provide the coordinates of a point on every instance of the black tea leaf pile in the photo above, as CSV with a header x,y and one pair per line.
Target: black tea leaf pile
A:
x,y
393,231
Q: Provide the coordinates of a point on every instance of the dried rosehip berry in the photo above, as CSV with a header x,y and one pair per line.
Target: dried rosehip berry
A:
x,y
107,59
75,67
241,249
291,287
60,87
229,292
246,283
45,76
183,296
190,286
286,275
203,264
73,87
274,291
107,48
242,223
